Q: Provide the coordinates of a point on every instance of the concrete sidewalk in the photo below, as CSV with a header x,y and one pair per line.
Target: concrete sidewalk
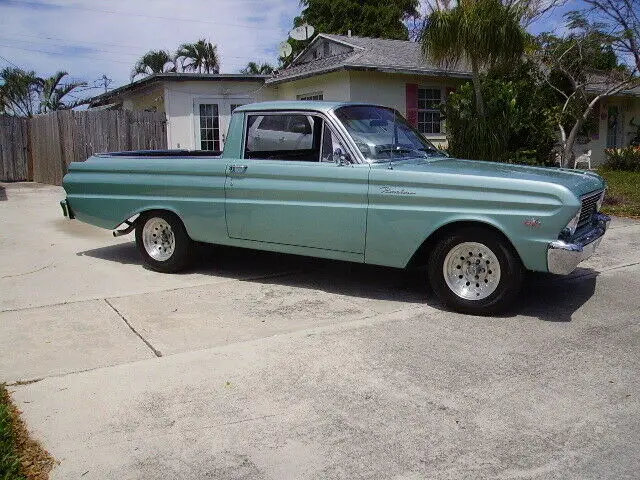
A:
x,y
258,365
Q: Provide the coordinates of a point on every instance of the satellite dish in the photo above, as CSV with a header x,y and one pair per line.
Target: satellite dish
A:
x,y
285,49
303,32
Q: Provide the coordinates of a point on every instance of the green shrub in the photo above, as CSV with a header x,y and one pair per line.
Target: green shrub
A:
x,y
627,158
517,128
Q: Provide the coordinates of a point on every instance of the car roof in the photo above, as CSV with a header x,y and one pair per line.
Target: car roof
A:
x,y
312,105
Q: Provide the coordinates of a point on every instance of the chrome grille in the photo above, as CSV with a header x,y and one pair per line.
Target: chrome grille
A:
x,y
589,207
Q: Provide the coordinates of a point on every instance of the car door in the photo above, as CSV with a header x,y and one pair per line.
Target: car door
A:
x,y
283,193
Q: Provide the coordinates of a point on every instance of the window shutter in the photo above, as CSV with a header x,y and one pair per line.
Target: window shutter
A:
x,y
412,104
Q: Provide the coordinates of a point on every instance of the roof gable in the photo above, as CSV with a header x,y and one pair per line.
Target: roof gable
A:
x,y
321,47
329,52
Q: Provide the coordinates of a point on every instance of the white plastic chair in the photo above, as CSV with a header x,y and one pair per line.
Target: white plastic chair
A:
x,y
584,158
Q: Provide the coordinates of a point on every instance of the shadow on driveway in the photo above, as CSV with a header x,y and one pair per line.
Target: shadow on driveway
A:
x,y
548,297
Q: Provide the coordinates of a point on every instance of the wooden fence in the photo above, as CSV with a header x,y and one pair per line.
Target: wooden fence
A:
x,y
59,138
14,148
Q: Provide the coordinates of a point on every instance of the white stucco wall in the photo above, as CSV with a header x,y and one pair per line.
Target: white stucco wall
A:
x,y
152,99
334,87
181,99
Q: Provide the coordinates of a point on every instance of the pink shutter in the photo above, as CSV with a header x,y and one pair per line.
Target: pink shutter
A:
x,y
412,104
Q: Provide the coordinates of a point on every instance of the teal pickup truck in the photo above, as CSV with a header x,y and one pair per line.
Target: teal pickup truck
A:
x,y
352,182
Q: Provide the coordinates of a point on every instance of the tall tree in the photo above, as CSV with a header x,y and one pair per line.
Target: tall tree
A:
x,y
19,92
580,69
365,18
481,33
201,56
253,68
154,61
25,94
620,19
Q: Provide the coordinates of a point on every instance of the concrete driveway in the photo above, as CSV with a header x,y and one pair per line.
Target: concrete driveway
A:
x,y
264,366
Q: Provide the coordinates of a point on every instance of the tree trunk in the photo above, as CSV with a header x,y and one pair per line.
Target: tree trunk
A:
x,y
563,153
571,139
477,88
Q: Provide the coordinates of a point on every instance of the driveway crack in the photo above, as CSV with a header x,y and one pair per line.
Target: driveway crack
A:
x,y
155,351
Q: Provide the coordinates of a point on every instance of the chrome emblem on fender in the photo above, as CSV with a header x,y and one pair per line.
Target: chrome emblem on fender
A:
x,y
395,190
532,222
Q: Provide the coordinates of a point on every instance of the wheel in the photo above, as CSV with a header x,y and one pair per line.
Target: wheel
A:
x,y
476,271
163,242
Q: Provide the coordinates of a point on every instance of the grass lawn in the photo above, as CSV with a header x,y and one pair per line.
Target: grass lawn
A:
x,y
623,193
9,462
21,458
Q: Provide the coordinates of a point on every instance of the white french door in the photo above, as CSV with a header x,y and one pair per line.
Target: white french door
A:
x,y
211,116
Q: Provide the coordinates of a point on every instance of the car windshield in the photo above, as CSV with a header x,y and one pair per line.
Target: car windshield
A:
x,y
383,135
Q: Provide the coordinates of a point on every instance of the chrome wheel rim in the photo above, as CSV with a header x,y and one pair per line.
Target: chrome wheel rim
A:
x,y
158,239
471,270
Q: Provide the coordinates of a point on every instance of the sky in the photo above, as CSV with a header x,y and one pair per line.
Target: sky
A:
x,y
90,38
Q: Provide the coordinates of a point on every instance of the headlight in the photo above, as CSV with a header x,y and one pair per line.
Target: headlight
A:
x,y
573,223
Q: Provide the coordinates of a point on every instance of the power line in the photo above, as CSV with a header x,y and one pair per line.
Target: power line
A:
x,y
47,37
157,17
61,53
67,45
9,61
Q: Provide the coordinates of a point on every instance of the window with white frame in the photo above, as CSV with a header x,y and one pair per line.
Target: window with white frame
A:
x,y
429,100
209,126
311,96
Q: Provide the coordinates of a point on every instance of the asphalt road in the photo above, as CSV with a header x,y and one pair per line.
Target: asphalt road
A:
x,y
264,366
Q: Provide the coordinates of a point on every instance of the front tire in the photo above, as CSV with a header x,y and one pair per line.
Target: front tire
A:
x,y
476,271
163,242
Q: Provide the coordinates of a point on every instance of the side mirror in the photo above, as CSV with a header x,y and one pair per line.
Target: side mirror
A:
x,y
302,127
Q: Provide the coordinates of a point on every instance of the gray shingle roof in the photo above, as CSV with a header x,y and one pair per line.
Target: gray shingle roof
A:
x,y
370,54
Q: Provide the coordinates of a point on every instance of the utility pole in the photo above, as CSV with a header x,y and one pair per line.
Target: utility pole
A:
x,y
105,82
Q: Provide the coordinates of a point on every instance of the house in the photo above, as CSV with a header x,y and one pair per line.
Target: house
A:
x,y
197,106
332,67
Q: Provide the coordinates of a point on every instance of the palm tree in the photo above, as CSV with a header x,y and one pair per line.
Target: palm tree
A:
x,y
53,92
201,57
154,61
19,91
480,32
253,68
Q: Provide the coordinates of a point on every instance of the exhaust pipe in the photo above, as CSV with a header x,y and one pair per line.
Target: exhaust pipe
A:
x,y
128,229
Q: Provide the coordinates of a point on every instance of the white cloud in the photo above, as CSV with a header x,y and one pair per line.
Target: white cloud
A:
x,y
88,38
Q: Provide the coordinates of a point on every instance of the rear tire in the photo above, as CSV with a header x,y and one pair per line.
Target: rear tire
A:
x,y
163,242
476,271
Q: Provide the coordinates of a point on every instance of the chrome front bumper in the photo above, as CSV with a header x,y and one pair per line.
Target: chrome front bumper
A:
x,y
564,257
66,209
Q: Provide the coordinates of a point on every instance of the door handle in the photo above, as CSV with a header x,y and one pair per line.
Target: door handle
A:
x,y
237,168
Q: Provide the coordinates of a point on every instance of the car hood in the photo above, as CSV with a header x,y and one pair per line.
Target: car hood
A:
x,y
577,181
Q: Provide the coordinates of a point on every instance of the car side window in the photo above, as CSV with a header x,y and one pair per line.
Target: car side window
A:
x,y
291,136
332,147
275,123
